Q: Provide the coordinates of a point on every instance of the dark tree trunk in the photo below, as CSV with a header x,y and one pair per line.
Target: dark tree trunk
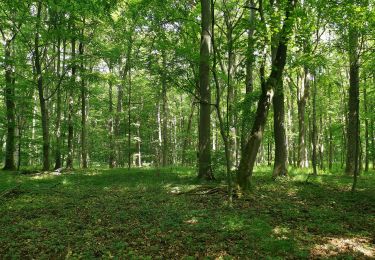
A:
x,y
367,145
42,100
58,159
112,154
353,104
9,95
254,139
314,134
69,160
204,151
281,153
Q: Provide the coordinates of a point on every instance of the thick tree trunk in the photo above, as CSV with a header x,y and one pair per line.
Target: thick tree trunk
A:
x,y
204,151
281,154
69,160
83,110
250,151
250,59
353,104
10,110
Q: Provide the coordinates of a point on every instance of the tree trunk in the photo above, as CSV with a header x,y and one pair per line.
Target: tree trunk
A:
x,y
303,94
367,145
69,160
330,153
281,154
83,110
353,104
250,59
314,132
254,139
58,159
187,136
164,113
204,151
42,100
9,95
112,154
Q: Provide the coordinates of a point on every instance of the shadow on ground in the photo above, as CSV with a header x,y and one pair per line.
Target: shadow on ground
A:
x,y
139,214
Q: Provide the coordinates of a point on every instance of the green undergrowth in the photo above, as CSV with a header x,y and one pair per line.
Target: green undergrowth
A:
x,y
150,213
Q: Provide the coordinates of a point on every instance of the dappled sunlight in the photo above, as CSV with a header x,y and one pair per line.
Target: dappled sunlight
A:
x,y
337,246
281,232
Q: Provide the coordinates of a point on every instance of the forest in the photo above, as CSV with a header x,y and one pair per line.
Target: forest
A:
x,y
164,129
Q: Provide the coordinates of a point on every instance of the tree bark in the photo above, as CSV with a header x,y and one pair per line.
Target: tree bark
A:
x,y
250,150
9,95
281,154
83,109
204,151
69,160
58,159
314,134
353,104
367,145
187,136
42,100
112,154
303,94
164,113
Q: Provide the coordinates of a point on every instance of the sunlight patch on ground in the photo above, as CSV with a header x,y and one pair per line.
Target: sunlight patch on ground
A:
x,y
42,177
336,246
281,232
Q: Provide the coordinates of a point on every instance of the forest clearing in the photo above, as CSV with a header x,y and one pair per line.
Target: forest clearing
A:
x,y
192,129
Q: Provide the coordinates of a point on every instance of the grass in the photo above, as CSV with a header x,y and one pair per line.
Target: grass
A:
x,y
144,214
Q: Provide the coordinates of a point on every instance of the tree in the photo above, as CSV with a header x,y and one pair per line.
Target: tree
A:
x,y
204,150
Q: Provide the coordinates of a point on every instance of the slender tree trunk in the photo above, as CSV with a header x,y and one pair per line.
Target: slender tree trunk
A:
x,y
129,114
353,104
372,143
367,145
69,160
330,153
42,100
164,120
9,95
83,110
187,137
58,159
112,154
303,94
204,151
314,134
321,142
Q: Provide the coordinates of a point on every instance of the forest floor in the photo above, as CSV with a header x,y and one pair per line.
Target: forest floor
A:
x,y
167,214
